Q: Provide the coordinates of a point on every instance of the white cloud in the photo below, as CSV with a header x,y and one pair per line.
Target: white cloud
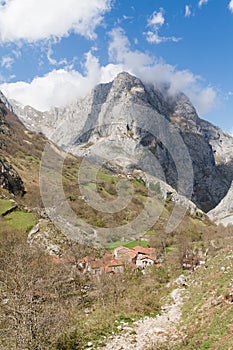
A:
x,y
7,62
202,2
16,53
187,11
34,20
57,88
204,99
155,22
155,38
53,61
62,86
231,6
119,50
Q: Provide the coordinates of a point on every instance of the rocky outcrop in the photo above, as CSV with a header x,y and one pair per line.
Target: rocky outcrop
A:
x,y
138,126
4,101
10,179
4,127
223,212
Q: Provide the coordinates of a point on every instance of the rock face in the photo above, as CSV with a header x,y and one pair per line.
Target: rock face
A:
x,y
223,213
137,126
10,179
4,100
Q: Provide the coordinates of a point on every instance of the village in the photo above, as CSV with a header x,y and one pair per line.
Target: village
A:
x,y
137,258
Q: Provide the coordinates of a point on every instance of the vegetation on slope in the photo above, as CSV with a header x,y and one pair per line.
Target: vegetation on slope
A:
x,y
54,306
207,312
45,305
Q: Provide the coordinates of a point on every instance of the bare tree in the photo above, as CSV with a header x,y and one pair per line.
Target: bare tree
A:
x,y
35,308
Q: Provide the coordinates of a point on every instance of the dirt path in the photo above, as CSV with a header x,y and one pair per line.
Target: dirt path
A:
x,y
149,333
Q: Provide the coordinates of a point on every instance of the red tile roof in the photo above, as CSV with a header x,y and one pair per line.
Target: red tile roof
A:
x,y
124,253
107,269
114,263
108,257
96,264
131,254
146,251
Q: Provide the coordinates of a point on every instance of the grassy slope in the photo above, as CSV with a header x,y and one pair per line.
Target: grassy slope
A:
x,y
19,220
207,321
23,150
5,205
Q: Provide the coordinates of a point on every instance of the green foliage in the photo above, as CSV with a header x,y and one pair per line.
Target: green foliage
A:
x,y
199,214
169,197
135,243
32,159
70,341
5,205
123,318
162,275
73,197
113,245
21,221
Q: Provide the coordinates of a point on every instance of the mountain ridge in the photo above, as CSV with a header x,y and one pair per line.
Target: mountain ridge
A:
x,y
84,124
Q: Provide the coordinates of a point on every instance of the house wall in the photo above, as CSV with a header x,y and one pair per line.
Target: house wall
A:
x,y
144,263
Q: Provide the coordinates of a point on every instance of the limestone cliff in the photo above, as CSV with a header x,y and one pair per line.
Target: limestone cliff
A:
x,y
138,126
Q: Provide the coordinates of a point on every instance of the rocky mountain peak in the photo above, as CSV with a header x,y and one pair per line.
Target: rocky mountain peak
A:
x,y
121,114
127,81
126,87
183,107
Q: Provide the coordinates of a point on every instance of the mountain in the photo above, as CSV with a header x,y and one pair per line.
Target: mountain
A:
x,y
134,125
142,128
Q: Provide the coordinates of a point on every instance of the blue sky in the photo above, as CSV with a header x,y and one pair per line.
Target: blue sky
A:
x,y
53,52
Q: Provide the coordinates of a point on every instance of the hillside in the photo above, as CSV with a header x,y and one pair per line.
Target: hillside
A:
x,y
20,153
210,297
47,302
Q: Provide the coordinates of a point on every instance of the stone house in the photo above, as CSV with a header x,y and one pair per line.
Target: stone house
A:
x,y
145,260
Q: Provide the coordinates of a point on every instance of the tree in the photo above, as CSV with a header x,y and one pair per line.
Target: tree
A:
x,y
35,309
